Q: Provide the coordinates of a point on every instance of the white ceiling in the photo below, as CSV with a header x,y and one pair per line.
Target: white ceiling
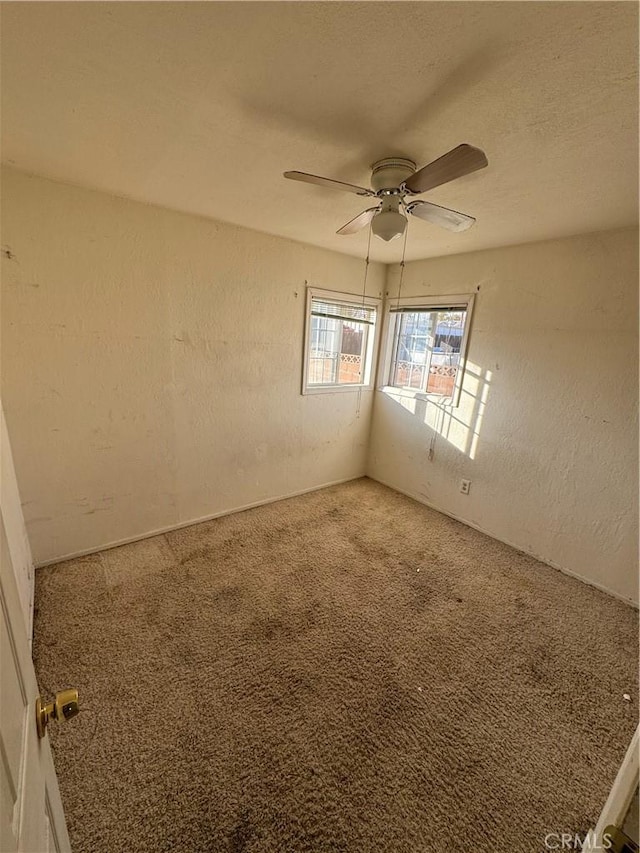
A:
x,y
200,107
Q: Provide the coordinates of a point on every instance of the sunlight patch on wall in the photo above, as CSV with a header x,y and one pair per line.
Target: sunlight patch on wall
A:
x,y
459,425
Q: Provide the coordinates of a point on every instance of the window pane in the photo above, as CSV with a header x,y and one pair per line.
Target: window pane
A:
x,y
427,350
336,353
323,350
414,342
446,352
352,353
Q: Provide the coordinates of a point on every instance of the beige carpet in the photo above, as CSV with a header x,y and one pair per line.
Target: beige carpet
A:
x,y
342,671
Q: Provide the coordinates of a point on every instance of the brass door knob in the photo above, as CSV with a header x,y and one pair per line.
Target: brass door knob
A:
x,y
63,708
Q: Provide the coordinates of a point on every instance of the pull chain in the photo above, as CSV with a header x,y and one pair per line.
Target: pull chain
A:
x,y
364,294
404,249
366,267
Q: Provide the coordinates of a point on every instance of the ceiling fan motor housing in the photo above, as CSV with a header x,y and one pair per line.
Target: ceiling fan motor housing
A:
x,y
389,174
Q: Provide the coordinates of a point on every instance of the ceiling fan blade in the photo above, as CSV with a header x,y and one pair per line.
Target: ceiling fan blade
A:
x,y
449,219
358,221
327,182
454,164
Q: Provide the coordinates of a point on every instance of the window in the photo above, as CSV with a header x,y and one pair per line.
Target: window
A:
x,y
339,341
426,344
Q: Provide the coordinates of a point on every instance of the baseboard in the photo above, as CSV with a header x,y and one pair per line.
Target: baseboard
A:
x,y
420,499
160,530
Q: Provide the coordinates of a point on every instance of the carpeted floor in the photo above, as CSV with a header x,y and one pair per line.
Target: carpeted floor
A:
x,y
343,671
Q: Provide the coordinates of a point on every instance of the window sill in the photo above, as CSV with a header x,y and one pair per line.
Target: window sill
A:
x,y
335,389
412,394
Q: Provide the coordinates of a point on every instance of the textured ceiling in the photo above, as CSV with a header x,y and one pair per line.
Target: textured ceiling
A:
x,y
201,107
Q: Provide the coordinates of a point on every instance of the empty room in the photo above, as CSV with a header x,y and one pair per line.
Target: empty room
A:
x,y
319,440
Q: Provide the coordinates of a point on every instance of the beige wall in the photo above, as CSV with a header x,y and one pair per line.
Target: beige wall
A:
x,y
152,366
547,426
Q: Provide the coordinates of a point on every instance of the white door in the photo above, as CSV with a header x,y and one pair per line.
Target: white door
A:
x,y
31,816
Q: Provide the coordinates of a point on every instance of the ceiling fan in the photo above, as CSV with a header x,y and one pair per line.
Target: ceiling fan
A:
x,y
395,178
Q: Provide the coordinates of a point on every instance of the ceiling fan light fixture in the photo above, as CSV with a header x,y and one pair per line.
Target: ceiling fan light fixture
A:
x,y
388,225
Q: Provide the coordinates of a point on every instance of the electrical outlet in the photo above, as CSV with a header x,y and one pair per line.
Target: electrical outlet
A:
x,y
465,486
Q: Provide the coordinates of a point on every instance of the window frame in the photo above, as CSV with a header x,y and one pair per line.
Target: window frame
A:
x,y
391,318
371,346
